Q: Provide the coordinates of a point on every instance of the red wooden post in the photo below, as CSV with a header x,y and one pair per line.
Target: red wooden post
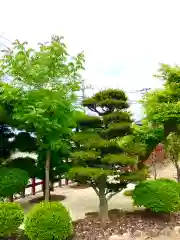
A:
x,y
33,186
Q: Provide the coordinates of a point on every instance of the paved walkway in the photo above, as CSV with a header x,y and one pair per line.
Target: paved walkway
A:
x,y
81,201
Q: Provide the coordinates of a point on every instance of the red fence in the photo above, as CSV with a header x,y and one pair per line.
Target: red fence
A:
x,y
33,186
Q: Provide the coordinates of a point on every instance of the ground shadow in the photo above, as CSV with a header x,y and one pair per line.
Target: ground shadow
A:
x,y
79,186
53,197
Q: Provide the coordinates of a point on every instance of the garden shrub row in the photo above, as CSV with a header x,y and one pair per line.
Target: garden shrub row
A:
x,y
45,221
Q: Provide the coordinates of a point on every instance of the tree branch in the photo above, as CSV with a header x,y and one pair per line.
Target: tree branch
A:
x,y
95,189
113,194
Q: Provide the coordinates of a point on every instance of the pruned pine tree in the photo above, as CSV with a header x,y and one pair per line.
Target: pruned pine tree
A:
x,y
98,159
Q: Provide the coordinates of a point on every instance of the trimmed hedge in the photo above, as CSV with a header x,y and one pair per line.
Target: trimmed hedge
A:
x,y
161,195
47,221
11,217
12,180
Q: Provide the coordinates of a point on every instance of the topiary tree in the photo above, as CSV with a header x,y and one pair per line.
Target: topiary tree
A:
x,y
161,195
47,221
11,217
98,159
24,163
12,180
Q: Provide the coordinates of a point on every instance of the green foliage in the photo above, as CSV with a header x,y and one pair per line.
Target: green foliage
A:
x,y
47,221
173,147
160,195
25,142
162,106
44,66
6,145
25,163
143,141
85,156
11,217
42,93
88,174
98,159
42,89
120,159
12,180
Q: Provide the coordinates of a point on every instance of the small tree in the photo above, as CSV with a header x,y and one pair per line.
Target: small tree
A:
x,y
173,150
98,158
42,91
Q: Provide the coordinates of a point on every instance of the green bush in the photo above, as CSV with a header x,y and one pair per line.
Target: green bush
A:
x,y
47,221
12,180
161,195
11,217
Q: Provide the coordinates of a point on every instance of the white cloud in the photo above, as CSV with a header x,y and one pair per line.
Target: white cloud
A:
x,y
123,40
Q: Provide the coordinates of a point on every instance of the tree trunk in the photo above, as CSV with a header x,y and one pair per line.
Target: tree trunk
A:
x,y
177,170
154,171
11,199
51,187
103,208
23,193
154,165
103,203
47,169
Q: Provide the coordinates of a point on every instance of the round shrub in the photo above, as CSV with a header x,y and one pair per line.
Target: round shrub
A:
x,y
47,221
161,195
12,180
11,217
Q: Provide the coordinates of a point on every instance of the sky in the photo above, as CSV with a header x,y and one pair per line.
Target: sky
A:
x,y
124,40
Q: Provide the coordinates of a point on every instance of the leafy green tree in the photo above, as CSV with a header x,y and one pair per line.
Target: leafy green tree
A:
x,y
143,141
162,109
162,106
98,159
42,91
173,150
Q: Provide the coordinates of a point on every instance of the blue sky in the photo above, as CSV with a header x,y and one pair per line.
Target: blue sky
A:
x,y
123,40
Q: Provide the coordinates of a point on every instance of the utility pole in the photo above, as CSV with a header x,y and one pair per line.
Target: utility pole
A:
x,y
83,89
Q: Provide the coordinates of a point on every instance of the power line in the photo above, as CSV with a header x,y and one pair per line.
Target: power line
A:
x,y
5,38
